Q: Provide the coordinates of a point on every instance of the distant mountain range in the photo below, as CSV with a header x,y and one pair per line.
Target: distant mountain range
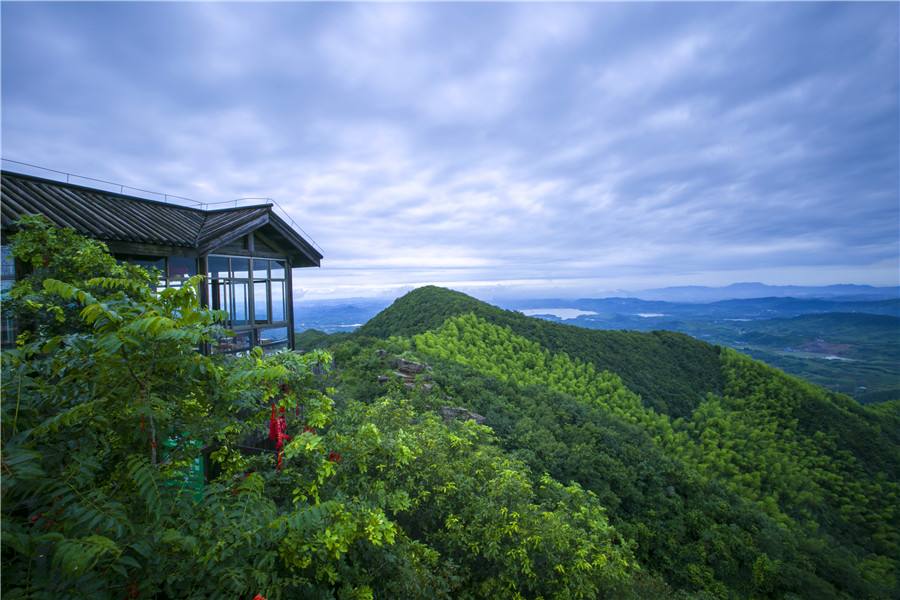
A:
x,y
735,301
629,309
698,293
849,342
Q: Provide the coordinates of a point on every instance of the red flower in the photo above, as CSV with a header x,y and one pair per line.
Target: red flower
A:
x,y
259,597
273,426
334,456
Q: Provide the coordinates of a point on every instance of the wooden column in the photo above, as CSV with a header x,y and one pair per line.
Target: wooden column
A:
x,y
203,269
289,283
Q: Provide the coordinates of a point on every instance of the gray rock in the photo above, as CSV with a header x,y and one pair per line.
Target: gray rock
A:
x,y
409,367
450,413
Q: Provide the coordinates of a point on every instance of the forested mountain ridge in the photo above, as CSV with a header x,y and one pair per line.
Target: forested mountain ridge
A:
x,y
672,372
809,477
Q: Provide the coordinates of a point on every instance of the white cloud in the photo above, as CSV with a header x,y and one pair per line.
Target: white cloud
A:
x,y
488,146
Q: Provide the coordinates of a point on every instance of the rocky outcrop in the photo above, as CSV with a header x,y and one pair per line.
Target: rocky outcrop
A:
x,y
451,413
409,371
409,367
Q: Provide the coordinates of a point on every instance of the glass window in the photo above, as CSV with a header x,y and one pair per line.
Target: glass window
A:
x,y
218,267
260,268
180,268
151,264
240,267
7,279
240,308
219,295
273,339
261,301
8,272
239,343
278,297
253,291
277,267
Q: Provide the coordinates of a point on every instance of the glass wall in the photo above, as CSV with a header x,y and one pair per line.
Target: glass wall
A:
x,y
273,339
254,294
172,270
179,268
228,288
241,342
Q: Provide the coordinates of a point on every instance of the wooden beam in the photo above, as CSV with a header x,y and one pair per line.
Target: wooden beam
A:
x,y
138,249
210,246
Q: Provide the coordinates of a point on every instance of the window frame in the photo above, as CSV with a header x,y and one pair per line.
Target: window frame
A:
x,y
253,325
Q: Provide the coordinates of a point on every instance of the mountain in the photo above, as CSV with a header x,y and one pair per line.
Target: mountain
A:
x,y
696,293
726,477
748,308
672,372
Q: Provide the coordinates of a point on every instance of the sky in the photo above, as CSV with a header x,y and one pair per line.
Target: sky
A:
x,y
499,149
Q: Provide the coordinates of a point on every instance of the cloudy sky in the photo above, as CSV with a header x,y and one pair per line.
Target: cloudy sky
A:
x,y
495,148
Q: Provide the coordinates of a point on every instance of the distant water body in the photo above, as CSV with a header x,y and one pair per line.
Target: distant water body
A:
x,y
562,313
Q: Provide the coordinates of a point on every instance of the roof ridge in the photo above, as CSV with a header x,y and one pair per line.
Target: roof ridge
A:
x,y
200,228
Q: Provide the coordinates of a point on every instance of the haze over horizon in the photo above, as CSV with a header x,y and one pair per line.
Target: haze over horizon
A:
x,y
498,149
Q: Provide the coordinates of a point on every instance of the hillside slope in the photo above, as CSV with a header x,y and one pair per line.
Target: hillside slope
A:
x,y
733,478
671,372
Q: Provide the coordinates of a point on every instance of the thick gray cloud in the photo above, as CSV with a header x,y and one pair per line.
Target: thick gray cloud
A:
x,y
497,148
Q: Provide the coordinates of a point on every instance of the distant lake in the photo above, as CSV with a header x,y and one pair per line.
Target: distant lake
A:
x,y
562,313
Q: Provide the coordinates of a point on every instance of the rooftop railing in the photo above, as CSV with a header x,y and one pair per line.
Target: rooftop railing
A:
x,y
121,188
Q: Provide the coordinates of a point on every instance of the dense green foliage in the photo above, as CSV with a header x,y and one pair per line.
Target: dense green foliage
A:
x,y
313,339
809,477
670,371
107,406
593,476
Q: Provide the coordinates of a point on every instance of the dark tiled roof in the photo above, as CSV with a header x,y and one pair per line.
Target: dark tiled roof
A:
x,y
219,222
118,217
